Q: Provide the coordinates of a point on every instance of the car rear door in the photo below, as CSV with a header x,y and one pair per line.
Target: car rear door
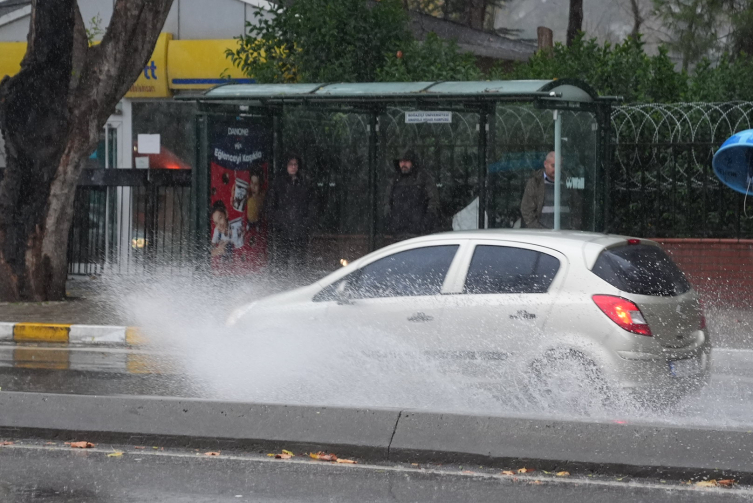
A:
x,y
500,304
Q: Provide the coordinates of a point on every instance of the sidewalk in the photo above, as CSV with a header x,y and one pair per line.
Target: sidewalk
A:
x,y
86,306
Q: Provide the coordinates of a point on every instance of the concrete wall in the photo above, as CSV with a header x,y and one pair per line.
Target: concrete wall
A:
x,y
607,20
15,31
721,270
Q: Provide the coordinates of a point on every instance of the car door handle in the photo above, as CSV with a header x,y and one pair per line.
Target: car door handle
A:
x,y
420,317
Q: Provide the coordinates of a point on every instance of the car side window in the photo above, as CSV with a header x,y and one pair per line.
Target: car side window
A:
x,y
505,269
420,271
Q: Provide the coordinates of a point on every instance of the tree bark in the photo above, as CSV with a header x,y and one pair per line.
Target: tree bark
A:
x,y
51,114
575,22
637,18
476,14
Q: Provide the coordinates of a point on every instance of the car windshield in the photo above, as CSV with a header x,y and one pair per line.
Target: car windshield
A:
x,y
641,269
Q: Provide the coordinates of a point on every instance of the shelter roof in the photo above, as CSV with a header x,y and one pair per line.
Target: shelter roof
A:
x,y
565,90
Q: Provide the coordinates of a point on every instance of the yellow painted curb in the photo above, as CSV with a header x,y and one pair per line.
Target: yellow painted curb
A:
x,y
40,332
134,336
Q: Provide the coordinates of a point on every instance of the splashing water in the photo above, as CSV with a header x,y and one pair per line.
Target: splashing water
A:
x,y
284,358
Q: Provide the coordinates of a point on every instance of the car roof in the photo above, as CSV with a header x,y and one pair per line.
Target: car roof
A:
x,y
587,245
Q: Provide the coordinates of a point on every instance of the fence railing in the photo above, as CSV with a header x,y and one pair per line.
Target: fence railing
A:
x,y
662,180
130,221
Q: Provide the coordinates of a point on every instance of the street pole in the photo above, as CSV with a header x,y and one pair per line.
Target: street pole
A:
x,y
557,167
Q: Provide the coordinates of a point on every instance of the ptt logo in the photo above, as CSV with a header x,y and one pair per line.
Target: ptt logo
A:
x,y
150,68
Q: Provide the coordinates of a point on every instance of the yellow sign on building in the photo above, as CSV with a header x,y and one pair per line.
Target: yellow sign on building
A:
x,y
201,64
11,54
152,83
174,65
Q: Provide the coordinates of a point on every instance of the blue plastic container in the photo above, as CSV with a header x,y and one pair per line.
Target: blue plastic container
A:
x,y
733,162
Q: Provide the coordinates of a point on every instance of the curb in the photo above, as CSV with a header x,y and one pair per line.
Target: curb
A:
x,y
70,334
639,449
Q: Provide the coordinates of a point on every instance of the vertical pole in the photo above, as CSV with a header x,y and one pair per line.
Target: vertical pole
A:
x,y
373,130
200,192
605,142
483,130
557,168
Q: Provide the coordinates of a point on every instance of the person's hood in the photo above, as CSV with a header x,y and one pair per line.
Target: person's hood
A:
x,y
408,155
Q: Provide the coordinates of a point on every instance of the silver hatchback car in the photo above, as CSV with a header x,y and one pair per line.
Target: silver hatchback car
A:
x,y
612,308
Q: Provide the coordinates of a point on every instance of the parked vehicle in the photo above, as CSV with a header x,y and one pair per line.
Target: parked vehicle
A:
x,y
609,311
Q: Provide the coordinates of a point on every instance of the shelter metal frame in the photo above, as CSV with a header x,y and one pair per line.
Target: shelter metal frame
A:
x,y
269,102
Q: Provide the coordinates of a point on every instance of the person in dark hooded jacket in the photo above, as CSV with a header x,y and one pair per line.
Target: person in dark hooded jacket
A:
x,y
291,210
411,203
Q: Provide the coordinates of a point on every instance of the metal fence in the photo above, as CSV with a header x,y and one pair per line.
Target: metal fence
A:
x,y
130,221
662,181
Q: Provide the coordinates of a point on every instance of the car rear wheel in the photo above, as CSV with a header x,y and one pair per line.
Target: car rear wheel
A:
x,y
566,380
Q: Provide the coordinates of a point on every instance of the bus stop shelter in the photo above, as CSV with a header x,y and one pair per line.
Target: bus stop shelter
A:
x,y
479,140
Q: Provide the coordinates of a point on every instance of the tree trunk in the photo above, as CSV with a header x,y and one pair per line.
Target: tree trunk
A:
x,y
637,18
575,23
51,114
476,14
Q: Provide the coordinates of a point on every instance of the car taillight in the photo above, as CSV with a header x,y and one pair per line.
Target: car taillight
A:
x,y
623,312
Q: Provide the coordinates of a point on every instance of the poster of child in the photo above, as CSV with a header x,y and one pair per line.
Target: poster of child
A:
x,y
222,246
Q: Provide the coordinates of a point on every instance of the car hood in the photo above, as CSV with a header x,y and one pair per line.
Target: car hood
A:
x,y
281,301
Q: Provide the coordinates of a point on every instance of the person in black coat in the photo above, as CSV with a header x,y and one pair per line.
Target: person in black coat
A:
x,y
292,211
411,201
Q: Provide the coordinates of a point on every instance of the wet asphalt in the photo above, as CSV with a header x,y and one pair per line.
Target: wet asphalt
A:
x,y
35,471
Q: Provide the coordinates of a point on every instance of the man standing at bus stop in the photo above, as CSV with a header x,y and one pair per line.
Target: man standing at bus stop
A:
x,y
411,202
537,206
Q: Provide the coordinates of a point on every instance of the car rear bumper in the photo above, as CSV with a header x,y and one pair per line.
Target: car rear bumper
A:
x,y
657,375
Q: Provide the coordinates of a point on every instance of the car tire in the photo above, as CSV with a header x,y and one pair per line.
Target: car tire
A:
x,y
566,380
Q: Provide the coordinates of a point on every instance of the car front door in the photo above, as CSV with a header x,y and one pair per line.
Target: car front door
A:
x,y
500,305
397,296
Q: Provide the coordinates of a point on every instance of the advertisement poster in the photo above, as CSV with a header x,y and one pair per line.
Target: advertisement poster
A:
x,y
239,168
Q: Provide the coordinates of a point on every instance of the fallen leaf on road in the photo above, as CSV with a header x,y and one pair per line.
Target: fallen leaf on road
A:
x,y
508,472
707,483
346,461
323,456
6,443
115,454
288,453
726,482
537,482
139,447
414,464
155,448
211,453
283,456
526,470
82,445
563,474
271,455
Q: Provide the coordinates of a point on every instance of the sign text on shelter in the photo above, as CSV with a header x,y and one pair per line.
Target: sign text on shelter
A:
x,y
430,117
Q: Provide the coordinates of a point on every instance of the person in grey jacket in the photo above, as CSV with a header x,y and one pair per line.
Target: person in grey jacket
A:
x,y
411,202
537,206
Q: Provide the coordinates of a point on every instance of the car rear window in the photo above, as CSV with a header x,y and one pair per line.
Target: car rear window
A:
x,y
642,270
